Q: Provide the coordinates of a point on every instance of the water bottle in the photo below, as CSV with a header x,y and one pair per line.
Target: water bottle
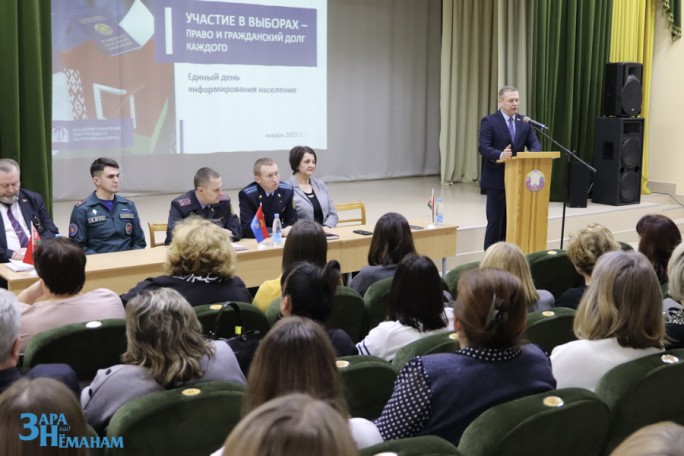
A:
x,y
439,213
277,231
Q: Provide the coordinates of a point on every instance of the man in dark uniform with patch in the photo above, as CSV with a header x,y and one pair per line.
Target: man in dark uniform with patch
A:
x,y
20,209
274,197
106,222
208,201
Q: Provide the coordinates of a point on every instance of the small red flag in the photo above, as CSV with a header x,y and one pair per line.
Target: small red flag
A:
x,y
33,243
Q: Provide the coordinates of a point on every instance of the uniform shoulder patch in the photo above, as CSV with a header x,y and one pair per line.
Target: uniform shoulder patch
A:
x,y
285,186
184,201
250,189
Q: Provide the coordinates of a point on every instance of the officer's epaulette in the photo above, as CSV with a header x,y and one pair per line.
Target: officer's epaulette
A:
x,y
81,202
285,185
184,201
225,198
250,189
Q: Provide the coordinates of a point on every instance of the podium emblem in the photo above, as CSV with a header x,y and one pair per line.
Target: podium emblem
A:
x,y
535,180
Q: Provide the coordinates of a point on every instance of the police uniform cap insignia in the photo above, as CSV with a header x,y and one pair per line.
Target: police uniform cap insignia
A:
x,y
185,201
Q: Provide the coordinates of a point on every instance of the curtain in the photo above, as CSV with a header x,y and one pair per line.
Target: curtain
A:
x,y
633,32
571,44
26,91
485,45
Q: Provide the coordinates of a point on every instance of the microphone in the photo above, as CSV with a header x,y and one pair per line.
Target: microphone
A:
x,y
540,125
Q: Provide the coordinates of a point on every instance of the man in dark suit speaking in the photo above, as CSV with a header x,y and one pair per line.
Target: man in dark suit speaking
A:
x,y
19,210
502,135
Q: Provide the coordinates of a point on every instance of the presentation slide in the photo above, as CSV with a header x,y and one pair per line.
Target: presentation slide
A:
x,y
188,77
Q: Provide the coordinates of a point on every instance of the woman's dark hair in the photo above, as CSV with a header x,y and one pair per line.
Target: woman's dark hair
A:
x,y
305,242
296,155
392,240
659,236
491,307
311,288
60,263
416,297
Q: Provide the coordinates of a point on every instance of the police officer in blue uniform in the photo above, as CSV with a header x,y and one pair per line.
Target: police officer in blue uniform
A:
x,y
274,197
208,201
106,222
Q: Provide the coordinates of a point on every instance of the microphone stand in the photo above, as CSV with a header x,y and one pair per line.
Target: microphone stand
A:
x,y
570,156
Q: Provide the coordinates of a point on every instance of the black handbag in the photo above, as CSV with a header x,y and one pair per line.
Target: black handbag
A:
x,y
245,342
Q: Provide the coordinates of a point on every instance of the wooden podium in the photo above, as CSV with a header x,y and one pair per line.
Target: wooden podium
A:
x,y
528,185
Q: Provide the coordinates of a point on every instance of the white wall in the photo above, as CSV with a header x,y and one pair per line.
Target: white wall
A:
x,y
666,123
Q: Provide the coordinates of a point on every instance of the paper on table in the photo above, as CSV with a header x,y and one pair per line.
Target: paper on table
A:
x,y
19,266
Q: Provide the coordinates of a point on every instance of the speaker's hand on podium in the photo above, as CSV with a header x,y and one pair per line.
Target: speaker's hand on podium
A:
x,y
507,153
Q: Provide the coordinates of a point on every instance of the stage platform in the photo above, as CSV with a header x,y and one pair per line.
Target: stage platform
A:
x,y
463,206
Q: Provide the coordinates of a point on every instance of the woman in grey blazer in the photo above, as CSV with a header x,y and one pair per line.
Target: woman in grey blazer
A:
x,y
311,196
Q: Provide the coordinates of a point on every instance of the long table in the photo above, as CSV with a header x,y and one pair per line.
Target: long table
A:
x,y
120,271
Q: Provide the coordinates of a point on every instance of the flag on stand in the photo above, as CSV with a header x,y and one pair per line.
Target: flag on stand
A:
x,y
258,225
33,243
431,204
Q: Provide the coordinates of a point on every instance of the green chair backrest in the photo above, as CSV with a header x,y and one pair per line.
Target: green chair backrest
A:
x,y
565,422
185,421
252,317
625,246
435,343
553,271
643,392
348,312
451,277
376,301
86,347
549,328
414,446
368,382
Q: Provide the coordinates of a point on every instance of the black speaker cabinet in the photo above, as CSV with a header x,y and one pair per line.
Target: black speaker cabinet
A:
x,y
622,90
579,185
618,150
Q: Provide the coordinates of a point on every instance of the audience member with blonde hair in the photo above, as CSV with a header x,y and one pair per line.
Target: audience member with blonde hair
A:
x,y
57,298
674,314
584,250
509,257
200,265
618,320
39,396
295,424
296,357
166,349
660,439
442,394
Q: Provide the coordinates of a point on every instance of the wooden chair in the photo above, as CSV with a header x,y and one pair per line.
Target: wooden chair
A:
x,y
351,207
154,229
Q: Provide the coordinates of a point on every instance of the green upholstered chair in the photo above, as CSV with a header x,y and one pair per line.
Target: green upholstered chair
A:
x,y
429,445
625,246
376,301
368,384
348,312
451,277
86,347
185,421
252,317
550,328
565,422
553,271
643,392
435,343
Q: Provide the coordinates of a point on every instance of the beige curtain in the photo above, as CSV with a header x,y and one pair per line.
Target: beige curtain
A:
x,y
485,44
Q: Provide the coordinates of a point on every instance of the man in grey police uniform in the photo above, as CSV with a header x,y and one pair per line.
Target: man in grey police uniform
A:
x,y
208,201
104,221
